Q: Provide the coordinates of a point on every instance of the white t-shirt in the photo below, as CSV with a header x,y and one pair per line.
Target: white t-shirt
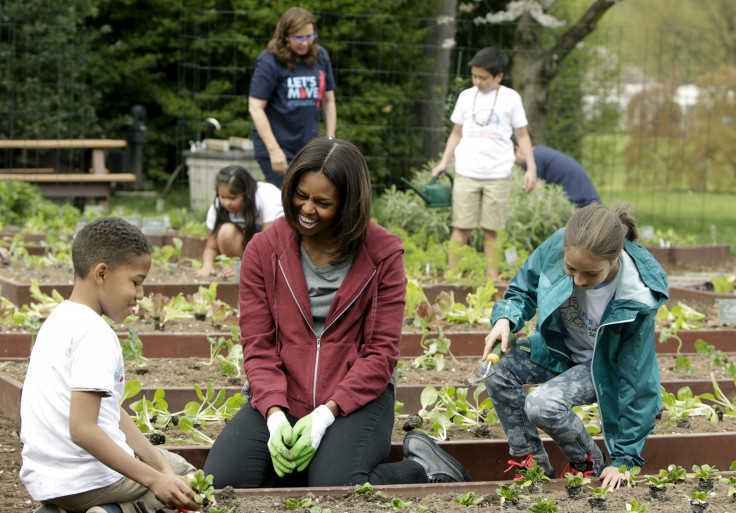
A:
x,y
582,314
75,350
485,151
268,207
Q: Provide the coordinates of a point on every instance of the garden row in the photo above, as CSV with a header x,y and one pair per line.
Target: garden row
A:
x,y
485,459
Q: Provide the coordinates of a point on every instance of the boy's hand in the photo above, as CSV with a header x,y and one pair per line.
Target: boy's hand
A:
x,y
175,492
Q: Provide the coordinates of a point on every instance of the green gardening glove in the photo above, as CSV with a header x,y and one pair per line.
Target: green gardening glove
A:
x,y
279,440
308,433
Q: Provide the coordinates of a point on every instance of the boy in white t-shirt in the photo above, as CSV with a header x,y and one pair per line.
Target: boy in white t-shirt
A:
x,y
81,450
485,116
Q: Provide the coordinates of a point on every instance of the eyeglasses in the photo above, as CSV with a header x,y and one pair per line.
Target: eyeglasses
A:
x,y
303,39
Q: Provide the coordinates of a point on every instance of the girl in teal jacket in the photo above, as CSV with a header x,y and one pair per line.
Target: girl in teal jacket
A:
x,y
595,292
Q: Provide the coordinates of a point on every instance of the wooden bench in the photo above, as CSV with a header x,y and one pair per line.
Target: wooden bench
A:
x,y
98,183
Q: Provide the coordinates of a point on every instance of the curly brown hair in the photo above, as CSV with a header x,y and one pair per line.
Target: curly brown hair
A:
x,y
291,21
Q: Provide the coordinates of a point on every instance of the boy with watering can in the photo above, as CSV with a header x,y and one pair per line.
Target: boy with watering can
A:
x,y
485,116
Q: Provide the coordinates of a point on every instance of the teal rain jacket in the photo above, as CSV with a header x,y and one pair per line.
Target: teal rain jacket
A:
x,y
625,372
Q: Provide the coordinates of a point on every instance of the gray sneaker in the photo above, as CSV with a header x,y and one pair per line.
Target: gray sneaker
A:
x,y
439,466
50,508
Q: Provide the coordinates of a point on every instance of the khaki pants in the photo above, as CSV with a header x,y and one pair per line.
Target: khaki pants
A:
x,y
132,496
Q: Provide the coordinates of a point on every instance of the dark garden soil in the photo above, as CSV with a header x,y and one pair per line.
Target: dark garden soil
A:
x,y
185,372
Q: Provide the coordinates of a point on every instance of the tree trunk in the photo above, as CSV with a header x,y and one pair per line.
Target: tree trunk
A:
x,y
534,68
432,108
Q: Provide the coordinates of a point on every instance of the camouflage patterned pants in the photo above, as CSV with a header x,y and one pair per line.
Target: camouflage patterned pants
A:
x,y
547,407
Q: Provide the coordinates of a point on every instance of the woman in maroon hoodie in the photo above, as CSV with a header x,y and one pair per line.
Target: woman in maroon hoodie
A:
x,y
322,295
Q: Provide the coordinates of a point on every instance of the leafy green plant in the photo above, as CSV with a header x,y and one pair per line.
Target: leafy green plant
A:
x,y
450,406
533,475
722,284
706,472
685,404
469,499
675,474
176,309
576,479
719,398
543,506
634,472
478,309
132,346
599,492
433,350
202,300
298,503
202,486
683,364
635,507
163,255
396,504
659,482
697,497
591,417
510,492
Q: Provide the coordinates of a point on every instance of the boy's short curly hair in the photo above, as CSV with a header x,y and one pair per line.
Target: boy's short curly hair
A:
x,y
111,240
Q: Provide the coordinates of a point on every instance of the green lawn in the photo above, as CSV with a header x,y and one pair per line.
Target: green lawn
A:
x,y
684,212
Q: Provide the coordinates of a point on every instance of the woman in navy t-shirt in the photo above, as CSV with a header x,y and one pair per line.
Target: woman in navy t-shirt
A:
x,y
291,82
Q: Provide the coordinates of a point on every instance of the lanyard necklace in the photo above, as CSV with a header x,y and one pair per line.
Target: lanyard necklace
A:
x,y
493,107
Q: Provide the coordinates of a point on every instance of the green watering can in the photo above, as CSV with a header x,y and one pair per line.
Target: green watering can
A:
x,y
436,194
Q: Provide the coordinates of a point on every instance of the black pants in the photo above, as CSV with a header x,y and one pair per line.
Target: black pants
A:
x,y
353,451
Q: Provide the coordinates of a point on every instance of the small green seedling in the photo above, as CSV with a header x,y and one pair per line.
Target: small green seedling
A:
x,y
364,489
576,479
543,506
510,492
469,499
706,472
634,472
635,507
659,482
298,503
599,493
532,475
204,492
396,504
674,473
697,497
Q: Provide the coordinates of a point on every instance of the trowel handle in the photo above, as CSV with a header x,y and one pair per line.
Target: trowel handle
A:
x,y
497,348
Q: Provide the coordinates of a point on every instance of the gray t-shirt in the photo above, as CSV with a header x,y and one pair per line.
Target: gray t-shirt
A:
x,y
322,284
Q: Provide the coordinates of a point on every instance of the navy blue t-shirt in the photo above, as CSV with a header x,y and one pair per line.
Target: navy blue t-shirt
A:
x,y
294,100
556,167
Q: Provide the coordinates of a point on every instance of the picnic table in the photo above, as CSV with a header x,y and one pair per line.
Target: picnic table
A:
x,y
98,183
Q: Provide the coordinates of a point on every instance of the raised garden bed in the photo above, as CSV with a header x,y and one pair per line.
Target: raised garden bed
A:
x,y
180,344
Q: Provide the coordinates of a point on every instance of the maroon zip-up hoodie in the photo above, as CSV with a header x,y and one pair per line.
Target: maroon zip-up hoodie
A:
x,y
286,365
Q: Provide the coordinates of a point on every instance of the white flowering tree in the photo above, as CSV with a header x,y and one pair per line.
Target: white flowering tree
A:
x,y
535,63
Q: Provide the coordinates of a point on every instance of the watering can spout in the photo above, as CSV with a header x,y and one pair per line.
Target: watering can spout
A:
x,y
436,194
415,189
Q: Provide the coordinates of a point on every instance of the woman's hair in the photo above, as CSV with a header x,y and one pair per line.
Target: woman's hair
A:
x,y
600,231
345,167
292,21
239,182
111,240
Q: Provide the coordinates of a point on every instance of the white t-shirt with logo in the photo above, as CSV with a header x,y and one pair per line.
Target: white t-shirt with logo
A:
x,y
485,151
268,207
75,350
582,314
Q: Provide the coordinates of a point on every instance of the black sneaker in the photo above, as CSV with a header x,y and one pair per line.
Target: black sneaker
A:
x,y
106,508
439,466
588,468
